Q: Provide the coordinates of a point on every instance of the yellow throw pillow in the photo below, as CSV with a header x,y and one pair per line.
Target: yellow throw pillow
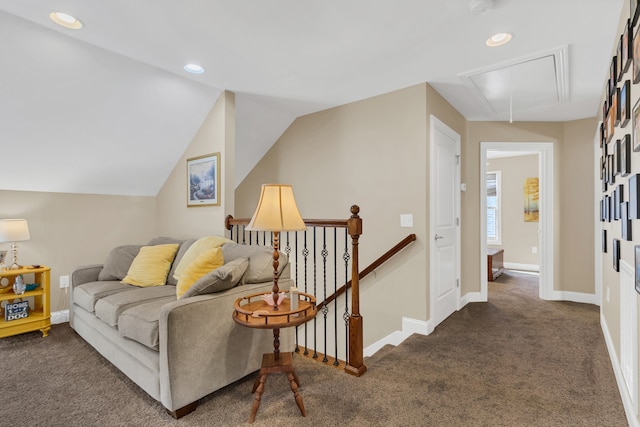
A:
x,y
151,266
203,264
196,249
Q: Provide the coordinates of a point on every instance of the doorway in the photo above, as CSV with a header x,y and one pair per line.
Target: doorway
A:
x,y
544,150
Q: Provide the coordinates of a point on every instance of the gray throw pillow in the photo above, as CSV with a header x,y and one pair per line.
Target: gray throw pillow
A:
x,y
163,241
118,262
260,261
220,279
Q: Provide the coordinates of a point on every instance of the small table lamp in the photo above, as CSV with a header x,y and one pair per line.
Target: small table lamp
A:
x,y
276,211
14,230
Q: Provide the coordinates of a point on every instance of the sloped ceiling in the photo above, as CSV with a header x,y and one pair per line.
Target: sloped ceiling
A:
x,y
108,109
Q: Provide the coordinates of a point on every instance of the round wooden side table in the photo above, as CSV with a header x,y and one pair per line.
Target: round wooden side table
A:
x,y
253,312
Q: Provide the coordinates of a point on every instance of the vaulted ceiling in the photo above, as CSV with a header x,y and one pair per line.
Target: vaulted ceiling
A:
x,y
108,109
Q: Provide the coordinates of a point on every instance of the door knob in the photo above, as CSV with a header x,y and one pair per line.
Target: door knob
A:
x,y
438,237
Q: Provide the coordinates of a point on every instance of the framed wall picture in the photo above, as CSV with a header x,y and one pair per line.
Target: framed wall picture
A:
x,y
619,65
611,119
635,117
634,196
625,156
203,180
627,53
624,103
613,77
634,12
616,157
625,222
636,55
604,241
616,254
617,200
636,250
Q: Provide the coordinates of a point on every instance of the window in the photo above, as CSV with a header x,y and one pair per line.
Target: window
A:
x,y
494,234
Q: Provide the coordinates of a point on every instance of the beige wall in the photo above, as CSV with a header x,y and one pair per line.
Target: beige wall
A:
x,y
217,134
68,230
372,153
518,236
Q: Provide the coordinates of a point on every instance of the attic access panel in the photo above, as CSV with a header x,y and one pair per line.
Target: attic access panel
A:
x,y
530,82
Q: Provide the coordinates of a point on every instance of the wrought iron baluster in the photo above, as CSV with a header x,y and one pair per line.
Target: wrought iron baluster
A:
x,y
335,291
325,309
305,253
297,349
315,293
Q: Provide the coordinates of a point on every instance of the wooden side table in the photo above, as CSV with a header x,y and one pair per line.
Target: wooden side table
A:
x,y
39,317
251,311
495,266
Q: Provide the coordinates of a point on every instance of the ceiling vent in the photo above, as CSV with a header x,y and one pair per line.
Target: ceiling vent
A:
x,y
530,82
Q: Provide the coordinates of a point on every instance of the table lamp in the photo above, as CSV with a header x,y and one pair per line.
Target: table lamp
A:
x,y
14,230
276,211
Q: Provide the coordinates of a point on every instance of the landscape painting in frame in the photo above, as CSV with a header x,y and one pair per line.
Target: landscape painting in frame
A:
x,y
203,180
531,196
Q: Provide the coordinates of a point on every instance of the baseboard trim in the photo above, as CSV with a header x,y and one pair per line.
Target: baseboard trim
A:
x,y
518,266
61,316
409,327
632,418
471,297
580,297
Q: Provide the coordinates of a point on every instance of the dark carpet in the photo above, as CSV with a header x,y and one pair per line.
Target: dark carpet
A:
x,y
514,361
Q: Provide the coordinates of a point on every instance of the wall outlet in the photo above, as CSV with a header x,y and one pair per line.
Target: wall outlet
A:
x,y
64,281
534,249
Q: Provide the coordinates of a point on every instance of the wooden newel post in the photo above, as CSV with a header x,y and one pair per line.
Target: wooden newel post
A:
x,y
355,365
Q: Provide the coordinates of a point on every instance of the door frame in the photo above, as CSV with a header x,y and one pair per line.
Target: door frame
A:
x,y
546,226
435,123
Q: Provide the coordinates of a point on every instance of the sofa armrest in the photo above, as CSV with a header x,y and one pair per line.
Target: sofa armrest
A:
x,y
202,348
82,274
85,274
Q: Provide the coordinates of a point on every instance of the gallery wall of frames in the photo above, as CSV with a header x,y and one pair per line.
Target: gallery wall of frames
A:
x,y
619,138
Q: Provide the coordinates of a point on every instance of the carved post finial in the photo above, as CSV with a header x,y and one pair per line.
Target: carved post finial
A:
x,y
355,210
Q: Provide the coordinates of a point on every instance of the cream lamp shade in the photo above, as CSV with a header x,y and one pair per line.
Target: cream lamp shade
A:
x,y
14,230
276,210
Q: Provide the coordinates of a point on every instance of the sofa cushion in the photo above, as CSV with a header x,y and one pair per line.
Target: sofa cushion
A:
x,y
163,241
109,308
118,262
221,279
140,323
151,266
196,249
207,262
87,294
184,247
260,261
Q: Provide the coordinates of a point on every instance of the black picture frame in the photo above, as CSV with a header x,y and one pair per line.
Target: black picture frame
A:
x,y
616,254
616,157
627,48
611,178
634,12
634,196
625,222
617,201
613,78
619,64
636,250
624,103
612,207
604,241
625,155
615,104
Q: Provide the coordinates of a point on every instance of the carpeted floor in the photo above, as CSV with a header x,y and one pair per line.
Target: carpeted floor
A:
x,y
515,361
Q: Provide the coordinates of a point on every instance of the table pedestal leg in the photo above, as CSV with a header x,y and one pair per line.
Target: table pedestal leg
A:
x,y
282,363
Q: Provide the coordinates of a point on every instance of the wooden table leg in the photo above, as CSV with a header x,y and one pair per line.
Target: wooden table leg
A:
x,y
256,401
296,393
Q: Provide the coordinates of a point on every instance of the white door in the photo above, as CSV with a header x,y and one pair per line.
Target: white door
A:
x,y
445,224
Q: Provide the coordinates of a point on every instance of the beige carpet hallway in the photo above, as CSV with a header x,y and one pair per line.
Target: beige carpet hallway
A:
x,y
515,361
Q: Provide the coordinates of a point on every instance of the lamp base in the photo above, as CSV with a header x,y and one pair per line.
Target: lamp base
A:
x,y
14,266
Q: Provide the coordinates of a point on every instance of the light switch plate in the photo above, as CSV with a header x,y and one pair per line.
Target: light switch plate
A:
x,y
406,220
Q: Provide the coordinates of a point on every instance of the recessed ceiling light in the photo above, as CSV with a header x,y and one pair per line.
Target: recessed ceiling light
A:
x,y
194,69
66,20
498,39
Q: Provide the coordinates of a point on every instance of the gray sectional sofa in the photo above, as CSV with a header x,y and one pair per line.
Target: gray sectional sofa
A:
x,y
178,350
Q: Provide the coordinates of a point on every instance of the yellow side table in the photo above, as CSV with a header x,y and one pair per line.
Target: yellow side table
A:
x,y
39,314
